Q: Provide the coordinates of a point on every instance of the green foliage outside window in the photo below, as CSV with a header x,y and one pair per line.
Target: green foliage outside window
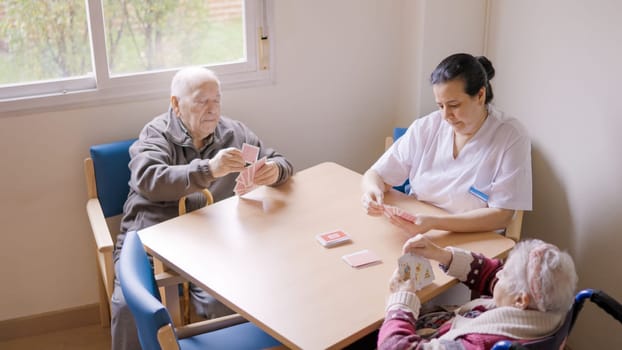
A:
x,y
41,40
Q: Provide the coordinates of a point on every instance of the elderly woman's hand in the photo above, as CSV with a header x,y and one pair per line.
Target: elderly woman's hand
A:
x,y
403,295
396,284
423,246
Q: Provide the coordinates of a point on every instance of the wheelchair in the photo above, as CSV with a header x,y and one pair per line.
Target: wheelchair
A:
x,y
558,339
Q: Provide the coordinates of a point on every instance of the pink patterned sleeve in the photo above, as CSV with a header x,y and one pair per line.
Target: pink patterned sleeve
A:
x,y
398,331
476,271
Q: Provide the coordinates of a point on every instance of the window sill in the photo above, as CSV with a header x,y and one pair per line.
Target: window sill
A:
x,y
145,89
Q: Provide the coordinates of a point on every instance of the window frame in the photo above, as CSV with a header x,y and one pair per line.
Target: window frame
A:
x,y
101,88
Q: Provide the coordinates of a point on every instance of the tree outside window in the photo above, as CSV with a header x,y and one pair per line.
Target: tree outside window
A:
x,y
49,40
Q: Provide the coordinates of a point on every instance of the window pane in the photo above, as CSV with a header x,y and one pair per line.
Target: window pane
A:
x,y
43,40
160,34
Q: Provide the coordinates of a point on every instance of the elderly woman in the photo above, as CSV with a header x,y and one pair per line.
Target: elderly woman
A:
x,y
531,295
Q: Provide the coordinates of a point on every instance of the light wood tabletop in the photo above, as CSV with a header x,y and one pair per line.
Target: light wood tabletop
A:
x,y
258,255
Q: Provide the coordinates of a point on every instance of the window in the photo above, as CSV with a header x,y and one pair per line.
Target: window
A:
x,y
78,53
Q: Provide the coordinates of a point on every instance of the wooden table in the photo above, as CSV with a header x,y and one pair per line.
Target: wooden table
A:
x,y
258,255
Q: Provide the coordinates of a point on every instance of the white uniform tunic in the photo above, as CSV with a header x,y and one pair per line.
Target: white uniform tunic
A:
x,y
492,170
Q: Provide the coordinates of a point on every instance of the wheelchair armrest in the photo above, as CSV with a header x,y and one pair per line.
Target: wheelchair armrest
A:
x,y
508,345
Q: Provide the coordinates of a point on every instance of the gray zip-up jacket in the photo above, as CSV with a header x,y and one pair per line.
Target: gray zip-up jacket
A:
x,y
165,166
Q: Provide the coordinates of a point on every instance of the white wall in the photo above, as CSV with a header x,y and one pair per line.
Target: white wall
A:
x,y
558,70
332,100
432,30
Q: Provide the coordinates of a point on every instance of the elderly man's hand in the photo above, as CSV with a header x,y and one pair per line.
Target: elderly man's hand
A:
x,y
267,174
226,161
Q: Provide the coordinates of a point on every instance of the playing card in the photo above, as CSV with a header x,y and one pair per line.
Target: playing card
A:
x,y
390,210
240,189
250,153
247,174
416,268
406,265
361,258
428,274
245,180
332,238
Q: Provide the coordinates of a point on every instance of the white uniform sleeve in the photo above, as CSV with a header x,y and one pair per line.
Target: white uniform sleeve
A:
x,y
396,164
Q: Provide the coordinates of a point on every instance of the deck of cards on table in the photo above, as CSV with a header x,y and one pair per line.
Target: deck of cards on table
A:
x,y
390,211
245,181
332,238
417,268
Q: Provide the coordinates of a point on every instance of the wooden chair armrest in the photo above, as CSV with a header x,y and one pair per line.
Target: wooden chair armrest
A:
x,y
166,338
388,141
168,278
513,230
103,243
101,233
209,325
182,201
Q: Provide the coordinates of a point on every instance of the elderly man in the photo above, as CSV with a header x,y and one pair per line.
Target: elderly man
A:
x,y
178,153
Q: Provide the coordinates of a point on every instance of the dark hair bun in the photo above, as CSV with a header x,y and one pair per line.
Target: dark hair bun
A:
x,y
488,68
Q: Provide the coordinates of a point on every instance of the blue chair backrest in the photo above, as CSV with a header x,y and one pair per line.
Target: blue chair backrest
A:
x,y
112,175
397,133
141,292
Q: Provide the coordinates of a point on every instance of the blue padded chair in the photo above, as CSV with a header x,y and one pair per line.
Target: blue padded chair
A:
x,y
397,133
153,321
107,176
558,339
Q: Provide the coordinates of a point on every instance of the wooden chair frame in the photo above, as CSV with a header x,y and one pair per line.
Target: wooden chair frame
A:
x,y
103,244
104,247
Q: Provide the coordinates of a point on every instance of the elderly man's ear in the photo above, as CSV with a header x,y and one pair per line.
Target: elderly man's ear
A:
x,y
522,300
175,105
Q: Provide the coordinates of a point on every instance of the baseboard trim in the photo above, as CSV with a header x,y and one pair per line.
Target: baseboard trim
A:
x,y
49,322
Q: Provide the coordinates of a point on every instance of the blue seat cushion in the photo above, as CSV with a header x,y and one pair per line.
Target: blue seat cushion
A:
x,y
242,336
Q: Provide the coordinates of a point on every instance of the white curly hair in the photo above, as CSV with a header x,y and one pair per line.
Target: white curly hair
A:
x,y
544,272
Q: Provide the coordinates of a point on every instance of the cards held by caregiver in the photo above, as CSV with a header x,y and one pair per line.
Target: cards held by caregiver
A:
x,y
416,268
245,181
390,211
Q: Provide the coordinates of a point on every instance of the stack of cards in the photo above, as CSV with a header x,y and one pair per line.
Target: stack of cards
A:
x,y
411,266
361,258
333,238
390,211
245,181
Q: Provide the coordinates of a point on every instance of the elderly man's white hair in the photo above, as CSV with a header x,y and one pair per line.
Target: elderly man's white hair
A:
x,y
187,78
544,272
